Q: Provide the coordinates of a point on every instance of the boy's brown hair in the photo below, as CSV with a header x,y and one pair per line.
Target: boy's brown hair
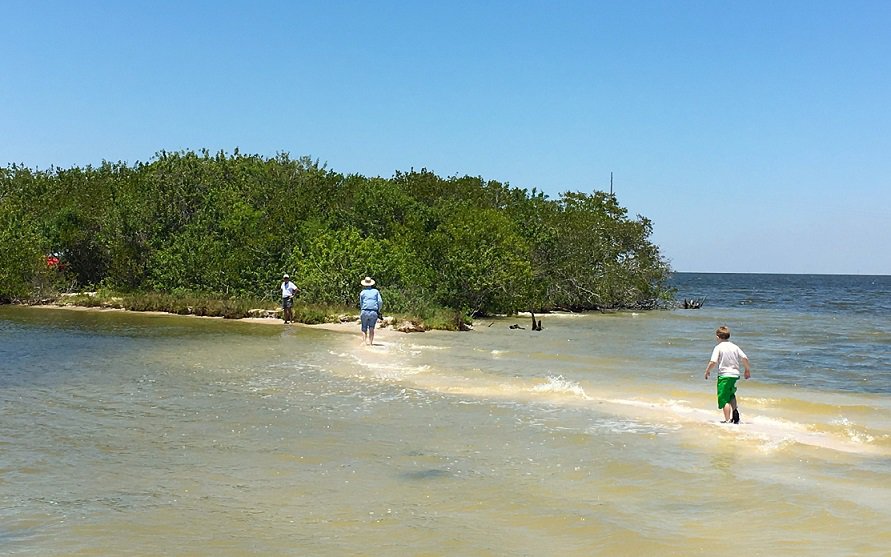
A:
x,y
723,332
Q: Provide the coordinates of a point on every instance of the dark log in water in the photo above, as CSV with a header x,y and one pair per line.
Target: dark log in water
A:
x,y
693,303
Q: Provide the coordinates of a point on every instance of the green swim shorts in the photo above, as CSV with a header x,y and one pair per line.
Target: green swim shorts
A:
x,y
726,390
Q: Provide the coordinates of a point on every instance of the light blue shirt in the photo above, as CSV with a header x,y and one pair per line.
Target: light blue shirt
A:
x,y
370,299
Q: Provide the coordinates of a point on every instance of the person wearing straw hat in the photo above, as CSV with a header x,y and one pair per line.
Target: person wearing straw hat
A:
x,y
288,291
370,306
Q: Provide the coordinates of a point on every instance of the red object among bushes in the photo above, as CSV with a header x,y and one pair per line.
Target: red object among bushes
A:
x,y
53,262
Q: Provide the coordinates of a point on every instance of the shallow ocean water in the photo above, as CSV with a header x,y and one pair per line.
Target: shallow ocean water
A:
x,y
129,434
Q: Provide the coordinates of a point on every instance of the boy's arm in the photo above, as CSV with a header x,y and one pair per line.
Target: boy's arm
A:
x,y
709,367
745,362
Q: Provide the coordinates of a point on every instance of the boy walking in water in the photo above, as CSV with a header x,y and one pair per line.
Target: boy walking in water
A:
x,y
728,357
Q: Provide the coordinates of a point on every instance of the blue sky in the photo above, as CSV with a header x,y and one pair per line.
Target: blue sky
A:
x,y
755,135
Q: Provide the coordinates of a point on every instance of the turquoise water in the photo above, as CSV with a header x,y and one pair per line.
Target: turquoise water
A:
x,y
131,434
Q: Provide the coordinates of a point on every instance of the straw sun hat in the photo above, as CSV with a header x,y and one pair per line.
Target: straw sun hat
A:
x,y
367,281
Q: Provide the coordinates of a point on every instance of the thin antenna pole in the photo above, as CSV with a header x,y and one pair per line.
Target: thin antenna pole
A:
x,y
610,183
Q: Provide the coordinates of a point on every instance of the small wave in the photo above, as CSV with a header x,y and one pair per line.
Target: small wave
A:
x,y
762,402
852,430
771,434
560,385
617,425
774,445
426,347
391,372
495,351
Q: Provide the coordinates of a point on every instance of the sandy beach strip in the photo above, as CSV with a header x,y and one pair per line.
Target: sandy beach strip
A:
x,y
341,327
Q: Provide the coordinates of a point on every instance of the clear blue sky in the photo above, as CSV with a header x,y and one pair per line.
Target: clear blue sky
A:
x,y
756,135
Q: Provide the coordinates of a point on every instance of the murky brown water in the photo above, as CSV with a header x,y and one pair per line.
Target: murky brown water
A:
x,y
148,435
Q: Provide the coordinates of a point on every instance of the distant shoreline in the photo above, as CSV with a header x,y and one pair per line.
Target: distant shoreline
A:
x,y
767,273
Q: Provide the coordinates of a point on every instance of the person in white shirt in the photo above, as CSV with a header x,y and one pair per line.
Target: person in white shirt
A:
x,y
288,291
728,358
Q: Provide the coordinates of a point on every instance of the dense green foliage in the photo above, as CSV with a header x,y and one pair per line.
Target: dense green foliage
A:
x,y
229,225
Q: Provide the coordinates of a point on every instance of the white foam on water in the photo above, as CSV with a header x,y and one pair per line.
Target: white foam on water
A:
x,y
618,425
370,364
390,372
495,352
556,314
561,385
851,430
771,434
777,433
341,354
426,347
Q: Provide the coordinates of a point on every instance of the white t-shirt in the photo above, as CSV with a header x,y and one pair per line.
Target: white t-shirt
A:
x,y
728,357
288,289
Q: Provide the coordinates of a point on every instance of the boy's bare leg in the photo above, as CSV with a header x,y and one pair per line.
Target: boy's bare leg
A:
x,y
729,408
